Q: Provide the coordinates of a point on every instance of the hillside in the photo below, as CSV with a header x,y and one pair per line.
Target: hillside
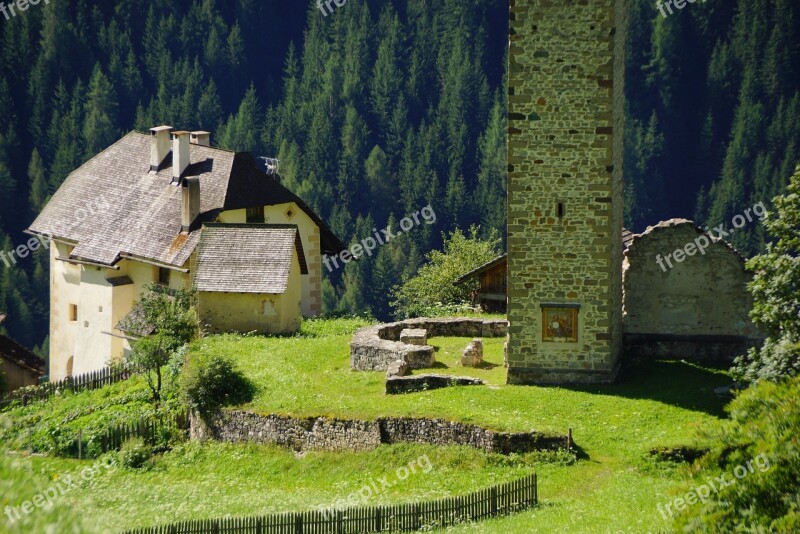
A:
x,y
381,108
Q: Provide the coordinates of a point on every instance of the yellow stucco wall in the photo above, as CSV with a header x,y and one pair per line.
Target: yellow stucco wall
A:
x,y
311,303
257,312
100,307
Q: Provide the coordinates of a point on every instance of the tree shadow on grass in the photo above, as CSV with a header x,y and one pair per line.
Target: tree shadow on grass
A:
x,y
678,383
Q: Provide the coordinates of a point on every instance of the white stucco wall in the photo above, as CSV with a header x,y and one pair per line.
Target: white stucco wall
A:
x,y
100,307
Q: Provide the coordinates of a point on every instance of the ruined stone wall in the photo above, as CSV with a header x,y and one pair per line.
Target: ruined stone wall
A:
x,y
565,111
698,308
374,348
323,433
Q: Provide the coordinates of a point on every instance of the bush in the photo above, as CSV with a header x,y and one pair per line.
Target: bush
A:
x,y
763,429
776,300
211,381
134,453
433,286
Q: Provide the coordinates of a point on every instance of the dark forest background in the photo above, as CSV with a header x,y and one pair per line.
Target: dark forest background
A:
x,y
380,108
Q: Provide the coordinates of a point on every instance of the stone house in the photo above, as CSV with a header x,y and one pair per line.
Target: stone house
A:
x,y
21,367
136,214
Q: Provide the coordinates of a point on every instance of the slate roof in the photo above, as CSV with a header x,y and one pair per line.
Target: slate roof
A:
x,y
251,258
14,352
113,206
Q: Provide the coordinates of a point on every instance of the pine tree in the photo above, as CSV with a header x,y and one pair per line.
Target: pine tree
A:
x,y
99,130
39,191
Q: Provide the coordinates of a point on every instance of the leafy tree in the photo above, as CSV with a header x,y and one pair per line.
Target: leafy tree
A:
x,y
756,454
433,284
776,293
169,320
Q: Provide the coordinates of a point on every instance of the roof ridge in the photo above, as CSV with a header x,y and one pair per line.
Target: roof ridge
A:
x,y
251,225
189,131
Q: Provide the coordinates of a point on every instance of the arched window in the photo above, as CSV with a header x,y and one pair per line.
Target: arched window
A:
x,y
69,366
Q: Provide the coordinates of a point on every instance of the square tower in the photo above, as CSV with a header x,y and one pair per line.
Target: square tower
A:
x,y
565,130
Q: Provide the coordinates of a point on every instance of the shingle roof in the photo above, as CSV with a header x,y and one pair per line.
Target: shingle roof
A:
x,y
13,351
113,205
478,270
251,258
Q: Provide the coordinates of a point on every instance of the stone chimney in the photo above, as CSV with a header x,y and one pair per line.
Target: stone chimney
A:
x,y
180,154
190,202
201,138
159,146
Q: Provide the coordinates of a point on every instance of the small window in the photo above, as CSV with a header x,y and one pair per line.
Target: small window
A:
x,y
163,276
560,210
255,215
73,312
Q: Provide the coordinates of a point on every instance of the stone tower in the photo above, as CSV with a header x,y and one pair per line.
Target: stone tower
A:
x,y
565,122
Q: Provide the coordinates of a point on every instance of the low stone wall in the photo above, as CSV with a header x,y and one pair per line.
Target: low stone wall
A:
x,y
373,348
330,434
409,384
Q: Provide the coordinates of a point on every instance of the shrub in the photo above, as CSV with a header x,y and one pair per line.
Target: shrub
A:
x,y
762,430
134,453
212,381
776,300
433,285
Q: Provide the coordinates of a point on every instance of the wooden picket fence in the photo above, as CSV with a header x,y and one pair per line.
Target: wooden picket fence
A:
x,y
150,430
497,500
84,382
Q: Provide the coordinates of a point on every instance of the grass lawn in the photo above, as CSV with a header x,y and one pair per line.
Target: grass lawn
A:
x,y
614,486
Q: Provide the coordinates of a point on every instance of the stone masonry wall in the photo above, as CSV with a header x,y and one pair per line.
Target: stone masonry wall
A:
x,y
322,433
565,111
696,309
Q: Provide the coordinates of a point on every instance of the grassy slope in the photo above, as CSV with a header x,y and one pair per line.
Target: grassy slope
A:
x,y
613,486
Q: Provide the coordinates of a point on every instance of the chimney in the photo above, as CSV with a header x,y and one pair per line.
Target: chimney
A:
x,y
201,138
190,202
180,154
159,146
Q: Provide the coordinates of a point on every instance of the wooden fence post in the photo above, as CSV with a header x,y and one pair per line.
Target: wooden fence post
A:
x,y
493,500
569,440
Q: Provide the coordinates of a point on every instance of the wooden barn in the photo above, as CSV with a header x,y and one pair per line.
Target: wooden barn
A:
x,y
491,296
